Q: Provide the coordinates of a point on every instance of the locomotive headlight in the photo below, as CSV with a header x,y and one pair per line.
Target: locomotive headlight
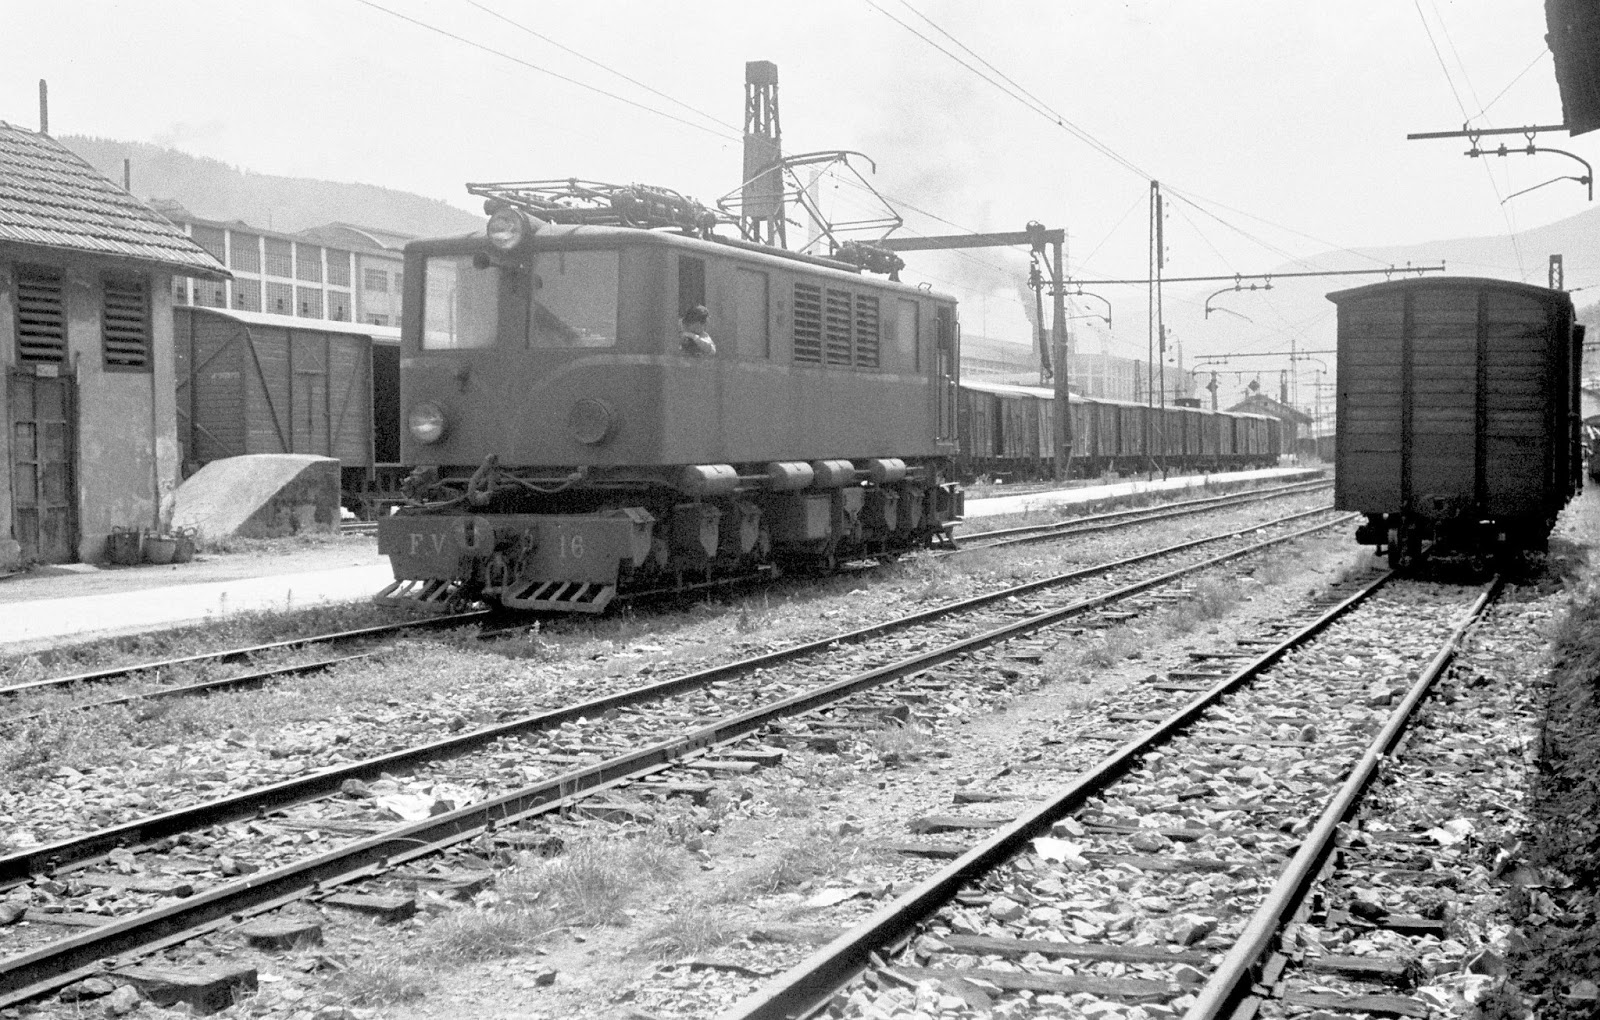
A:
x,y
508,228
426,422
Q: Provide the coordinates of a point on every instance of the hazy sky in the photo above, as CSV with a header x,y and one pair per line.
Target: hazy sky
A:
x,y
1279,126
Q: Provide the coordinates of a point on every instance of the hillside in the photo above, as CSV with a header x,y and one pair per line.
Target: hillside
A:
x,y
214,190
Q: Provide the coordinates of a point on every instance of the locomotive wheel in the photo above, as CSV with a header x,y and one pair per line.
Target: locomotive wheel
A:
x,y
1396,549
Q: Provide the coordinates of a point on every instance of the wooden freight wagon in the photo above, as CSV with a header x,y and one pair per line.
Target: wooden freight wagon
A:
x,y
249,382
1457,405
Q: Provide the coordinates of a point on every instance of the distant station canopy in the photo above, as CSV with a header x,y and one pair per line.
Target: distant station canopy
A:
x,y
1574,40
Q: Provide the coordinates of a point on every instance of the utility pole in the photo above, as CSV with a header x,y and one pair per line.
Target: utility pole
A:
x,y
1041,242
1156,343
1058,336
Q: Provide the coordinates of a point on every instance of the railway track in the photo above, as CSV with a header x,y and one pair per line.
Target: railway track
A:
x,y
1031,533
1036,533
1208,831
575,752
157,666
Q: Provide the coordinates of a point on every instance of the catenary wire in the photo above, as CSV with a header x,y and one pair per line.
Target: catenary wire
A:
x,y
1505,213
604,66
546,71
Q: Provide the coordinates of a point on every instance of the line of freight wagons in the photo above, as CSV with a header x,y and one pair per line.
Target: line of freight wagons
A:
x,y
254,383
1009,431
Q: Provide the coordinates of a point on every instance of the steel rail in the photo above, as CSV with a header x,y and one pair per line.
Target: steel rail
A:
x,y
228,655
51,966
1309,482
231,654
1030,533
18,866
1232,980
810,983
201,687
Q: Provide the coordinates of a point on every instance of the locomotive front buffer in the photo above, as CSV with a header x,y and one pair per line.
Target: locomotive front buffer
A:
x,y
525,561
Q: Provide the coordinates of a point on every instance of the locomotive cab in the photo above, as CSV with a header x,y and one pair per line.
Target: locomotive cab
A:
x,y
569,444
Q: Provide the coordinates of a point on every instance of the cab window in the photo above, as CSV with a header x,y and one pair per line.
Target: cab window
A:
x,y
460,304
574,299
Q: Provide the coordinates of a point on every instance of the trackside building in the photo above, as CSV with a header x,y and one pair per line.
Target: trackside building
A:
x,y
88,407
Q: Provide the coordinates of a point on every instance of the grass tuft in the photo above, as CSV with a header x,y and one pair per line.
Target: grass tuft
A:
x,y
379,984
594,883
695,927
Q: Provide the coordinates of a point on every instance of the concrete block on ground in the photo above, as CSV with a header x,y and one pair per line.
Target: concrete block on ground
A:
x,y
384,908
206,989
264,495
281,933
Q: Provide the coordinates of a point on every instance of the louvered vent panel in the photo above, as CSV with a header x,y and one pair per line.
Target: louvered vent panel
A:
x,y
866,332
838,327
807,324
125,320
41,318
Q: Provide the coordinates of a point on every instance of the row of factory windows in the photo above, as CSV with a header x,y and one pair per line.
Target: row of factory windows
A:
x,y
296,260
256,296
41,319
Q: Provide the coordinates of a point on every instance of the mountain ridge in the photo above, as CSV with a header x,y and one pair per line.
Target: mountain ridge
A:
x,y
214,190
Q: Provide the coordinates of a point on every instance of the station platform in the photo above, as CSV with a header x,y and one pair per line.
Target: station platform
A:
x,y
994,506
59,605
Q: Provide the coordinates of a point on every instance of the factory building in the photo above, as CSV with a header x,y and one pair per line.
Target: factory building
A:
x,y
88,407
337,273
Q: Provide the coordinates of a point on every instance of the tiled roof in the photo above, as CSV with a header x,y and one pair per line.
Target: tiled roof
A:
x,y
51,198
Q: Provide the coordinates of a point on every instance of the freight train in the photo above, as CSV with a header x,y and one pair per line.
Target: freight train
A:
x,y
1459,417
1009,432
598,395
248,382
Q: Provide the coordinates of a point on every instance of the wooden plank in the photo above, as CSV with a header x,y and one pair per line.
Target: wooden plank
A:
x,y
929,824
1385,969
1016,981
942,850
1378,1005
1146,862
980,945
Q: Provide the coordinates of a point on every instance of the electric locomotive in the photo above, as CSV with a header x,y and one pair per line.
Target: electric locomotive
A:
x,y
576,432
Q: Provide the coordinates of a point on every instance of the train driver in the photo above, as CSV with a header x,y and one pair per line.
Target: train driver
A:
x,y
696,338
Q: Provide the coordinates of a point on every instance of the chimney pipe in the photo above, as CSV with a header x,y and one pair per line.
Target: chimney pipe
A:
x,y
127,175
44,107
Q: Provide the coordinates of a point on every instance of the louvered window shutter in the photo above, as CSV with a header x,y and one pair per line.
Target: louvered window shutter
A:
x,y
807,324
125,323
41,317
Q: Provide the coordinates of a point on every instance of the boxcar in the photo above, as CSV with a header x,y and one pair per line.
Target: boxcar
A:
x,y
1458,413
249,382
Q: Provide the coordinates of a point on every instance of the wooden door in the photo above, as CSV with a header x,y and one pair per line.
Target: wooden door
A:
x,y
43,436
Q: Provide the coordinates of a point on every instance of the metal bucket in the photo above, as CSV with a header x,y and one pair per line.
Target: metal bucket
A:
x,y
160,549
123,546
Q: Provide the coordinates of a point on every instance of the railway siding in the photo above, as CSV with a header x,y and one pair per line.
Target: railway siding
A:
x,y
587,743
